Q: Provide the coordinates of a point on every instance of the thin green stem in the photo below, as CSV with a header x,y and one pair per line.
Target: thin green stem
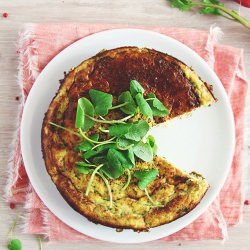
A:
x,y
13,226
128,180
125,148
92,141
152,201
108,187
102,118
122,121
229,12
92,178
66,129
119,105
90,165
104,130
40,243
107,142
104,121
126,118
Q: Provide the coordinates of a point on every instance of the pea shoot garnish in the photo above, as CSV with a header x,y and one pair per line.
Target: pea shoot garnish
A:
x,y
125,139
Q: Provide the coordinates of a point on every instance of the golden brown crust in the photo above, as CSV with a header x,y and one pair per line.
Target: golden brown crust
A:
x,y
111,71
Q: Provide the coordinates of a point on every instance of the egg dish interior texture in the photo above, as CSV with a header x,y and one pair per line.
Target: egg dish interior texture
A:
x,y
95,143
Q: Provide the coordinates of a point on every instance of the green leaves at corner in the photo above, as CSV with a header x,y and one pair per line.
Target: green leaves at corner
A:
x,y
82,121
102,101
209,9
145,177
183,5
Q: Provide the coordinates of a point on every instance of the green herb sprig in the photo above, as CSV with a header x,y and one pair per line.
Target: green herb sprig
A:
x,y
111,158
212,7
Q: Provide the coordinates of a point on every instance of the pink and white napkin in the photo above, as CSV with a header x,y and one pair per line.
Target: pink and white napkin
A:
x,y
39,43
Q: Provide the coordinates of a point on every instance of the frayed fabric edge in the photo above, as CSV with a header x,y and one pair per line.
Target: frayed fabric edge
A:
x,y
215,34
12,171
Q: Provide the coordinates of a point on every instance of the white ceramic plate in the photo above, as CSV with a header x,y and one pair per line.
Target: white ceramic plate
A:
x,y
203,142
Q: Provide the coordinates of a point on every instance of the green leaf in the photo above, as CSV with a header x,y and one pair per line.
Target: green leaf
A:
x,y
105,147
152,143
143,105
118,159
135,88
130,107
145,177
90,153
137,130
15,244
117,163
124,143
120,129
182,5
143,151
130,156
83,167
99,160
133,131
111,172
86,145
157,107
84,107
102,101
209,9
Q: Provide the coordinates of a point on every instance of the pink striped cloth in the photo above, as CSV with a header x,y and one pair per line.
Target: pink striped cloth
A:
x,y
39,43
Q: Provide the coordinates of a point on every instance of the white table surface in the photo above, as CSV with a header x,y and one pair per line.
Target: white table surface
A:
x,y
154,13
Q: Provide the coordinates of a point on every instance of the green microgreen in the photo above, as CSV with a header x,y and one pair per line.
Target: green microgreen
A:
x,y
124,144
119,161
128,179
92,178
136,88
152,201
151,141
132,131
102,101
87,144
108,187
108,121
143,151
66,129
143,106
157,107
212,7
126,140
84,167
84,111
128,103
145,177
